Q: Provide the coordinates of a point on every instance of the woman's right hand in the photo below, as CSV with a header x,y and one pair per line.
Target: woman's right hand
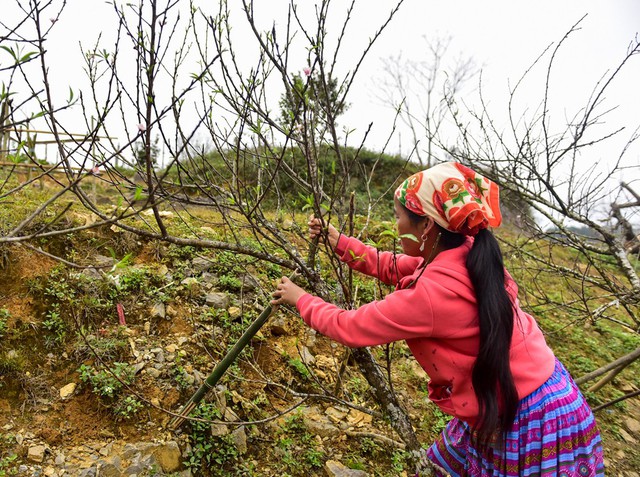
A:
x,y
315,230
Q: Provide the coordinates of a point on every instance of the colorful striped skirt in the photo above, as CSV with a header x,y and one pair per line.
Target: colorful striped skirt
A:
x,y
554,434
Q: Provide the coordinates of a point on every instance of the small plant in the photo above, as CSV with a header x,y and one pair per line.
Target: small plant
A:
x,y
109,344
398,461
229,282
56,326
440,420
180,375
300,367
127,408
107,383
4,316
7,465
314,457
207,451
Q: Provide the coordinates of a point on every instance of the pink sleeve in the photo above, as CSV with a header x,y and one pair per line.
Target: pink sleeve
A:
x,y
388,267
402,315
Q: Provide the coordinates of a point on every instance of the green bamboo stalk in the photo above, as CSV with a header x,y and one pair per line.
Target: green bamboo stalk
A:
x,y
221,367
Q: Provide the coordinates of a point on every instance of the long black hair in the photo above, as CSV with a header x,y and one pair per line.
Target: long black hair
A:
x,y
491,375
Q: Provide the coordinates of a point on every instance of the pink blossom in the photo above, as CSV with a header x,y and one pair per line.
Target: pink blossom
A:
x,y
95,170
53,19
306,71
142,127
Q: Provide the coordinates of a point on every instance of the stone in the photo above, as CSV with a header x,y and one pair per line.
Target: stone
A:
x,y
160,357
306,356
168,456
171,348
319,424
312,338
633,425
153,372
336,469
200,264
239,437
171,312
627,437
60,459
358,418
67,391
92,273
234,312
101,261
249,283
335,415
158,310
198,377
105,450
190,282
278,326
208,278
628,388
36,453
325,362
50,471
218,430
90,472
218,301
149,461
107,469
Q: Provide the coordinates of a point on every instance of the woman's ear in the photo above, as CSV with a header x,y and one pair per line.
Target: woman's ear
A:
x,y
429,224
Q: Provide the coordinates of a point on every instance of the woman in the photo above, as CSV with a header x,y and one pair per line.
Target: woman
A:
x,y
516,410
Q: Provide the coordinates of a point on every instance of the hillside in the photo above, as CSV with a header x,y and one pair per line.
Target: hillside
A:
x,y
94,360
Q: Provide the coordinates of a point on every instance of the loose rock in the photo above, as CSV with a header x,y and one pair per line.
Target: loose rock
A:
x,y
67,391
240,440
168,456
200,264
158,311
217,300
633,425
336,469
36,453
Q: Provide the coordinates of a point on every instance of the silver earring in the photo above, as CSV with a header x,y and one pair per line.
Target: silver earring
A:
x,y
422,245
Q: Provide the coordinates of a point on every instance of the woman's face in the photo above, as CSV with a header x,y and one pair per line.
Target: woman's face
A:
x,y
409,229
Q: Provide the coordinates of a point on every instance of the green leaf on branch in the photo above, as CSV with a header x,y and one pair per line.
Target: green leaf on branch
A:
x,y
410,237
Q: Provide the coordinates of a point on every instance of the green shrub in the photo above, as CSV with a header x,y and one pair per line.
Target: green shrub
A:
x,y
127,407
56,326
212,453
4,316
107,383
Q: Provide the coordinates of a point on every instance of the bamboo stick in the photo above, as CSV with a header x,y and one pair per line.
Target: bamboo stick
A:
x,y
221,367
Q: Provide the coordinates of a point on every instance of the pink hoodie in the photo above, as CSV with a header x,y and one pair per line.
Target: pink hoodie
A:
x,y
437,316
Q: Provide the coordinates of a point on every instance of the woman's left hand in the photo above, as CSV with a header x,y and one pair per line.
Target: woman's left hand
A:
x,y
287,293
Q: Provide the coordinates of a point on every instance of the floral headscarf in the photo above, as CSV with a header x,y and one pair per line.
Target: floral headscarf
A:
x,y
456,197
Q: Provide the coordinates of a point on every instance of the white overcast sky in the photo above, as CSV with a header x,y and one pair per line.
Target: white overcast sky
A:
x,y
504,37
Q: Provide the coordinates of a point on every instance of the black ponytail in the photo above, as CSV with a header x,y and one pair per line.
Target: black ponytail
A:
x,y
491,377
